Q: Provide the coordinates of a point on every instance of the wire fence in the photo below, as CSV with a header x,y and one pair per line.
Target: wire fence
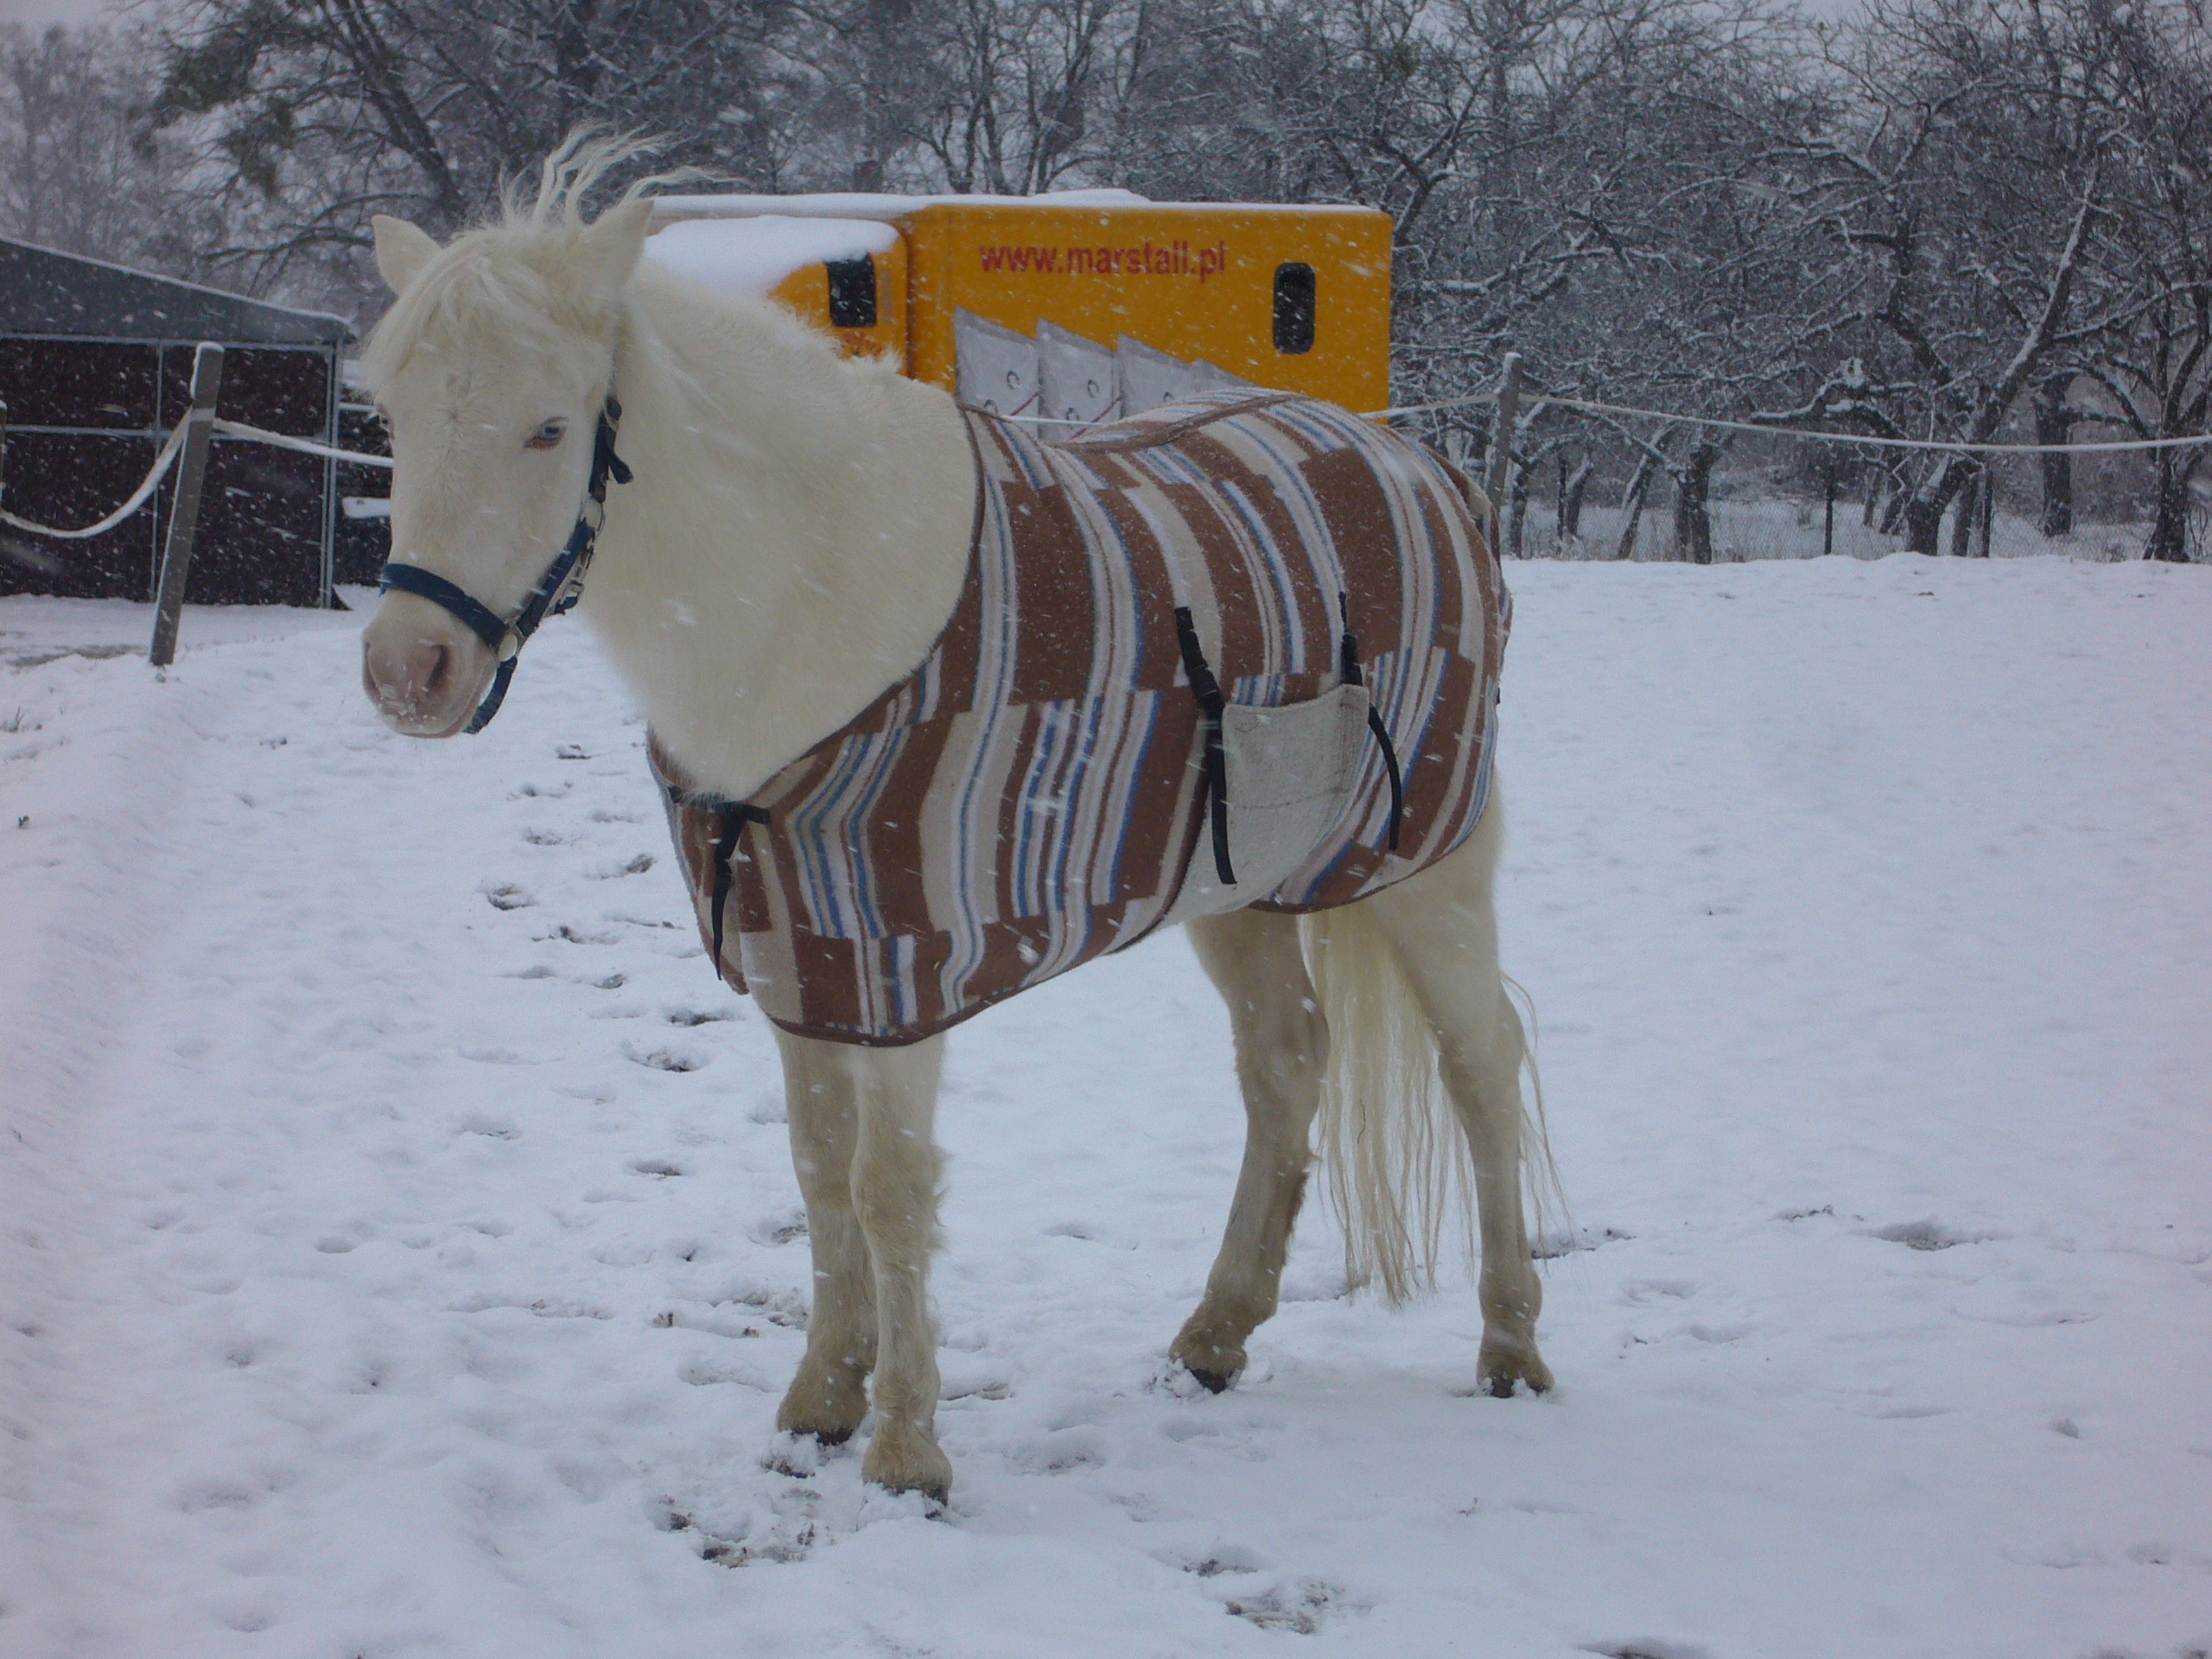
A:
x,y
1595,480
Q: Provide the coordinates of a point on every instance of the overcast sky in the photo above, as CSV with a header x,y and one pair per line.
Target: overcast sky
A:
x,y
54,11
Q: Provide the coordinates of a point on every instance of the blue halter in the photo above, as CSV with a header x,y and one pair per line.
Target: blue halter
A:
x,y
557,590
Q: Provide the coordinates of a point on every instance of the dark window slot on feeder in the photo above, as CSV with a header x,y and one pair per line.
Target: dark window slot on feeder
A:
x,y
852,293
1293,308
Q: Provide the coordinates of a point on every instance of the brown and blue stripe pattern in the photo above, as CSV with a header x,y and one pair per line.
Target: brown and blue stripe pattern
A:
x,y
1029,797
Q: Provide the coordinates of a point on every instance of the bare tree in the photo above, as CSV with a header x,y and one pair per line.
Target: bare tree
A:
x,y
327,110
2150,70
79,168
1965,195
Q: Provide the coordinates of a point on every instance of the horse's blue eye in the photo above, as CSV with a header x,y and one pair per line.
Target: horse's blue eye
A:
x,y
548,436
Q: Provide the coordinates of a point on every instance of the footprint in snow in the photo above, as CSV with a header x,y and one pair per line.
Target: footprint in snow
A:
x,y
673,1058
1300,1605
506,895
780,1228
1056,1454
1646,1291
1214,1562
1551,1244
782,1528
707,1372
1926,1234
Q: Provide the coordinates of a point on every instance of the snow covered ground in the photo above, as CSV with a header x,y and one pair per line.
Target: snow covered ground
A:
x,y
400,1254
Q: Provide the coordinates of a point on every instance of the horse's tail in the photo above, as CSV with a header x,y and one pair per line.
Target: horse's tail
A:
x,y
1395,1160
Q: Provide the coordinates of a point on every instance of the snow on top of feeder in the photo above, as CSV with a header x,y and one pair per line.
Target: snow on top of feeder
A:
x,y
754,255
863,206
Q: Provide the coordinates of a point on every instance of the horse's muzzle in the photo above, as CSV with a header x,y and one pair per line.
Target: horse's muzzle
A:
x,y
424,674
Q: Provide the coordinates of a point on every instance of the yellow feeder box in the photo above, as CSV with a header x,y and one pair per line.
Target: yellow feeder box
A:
x,y
993,296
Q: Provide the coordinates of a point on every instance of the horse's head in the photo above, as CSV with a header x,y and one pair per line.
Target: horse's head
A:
x,y
491,368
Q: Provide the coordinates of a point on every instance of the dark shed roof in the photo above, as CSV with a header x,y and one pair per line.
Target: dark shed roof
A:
x,y
44,292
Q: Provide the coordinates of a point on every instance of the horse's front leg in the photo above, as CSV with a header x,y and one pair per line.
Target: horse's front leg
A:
x,y
828,1398
873,1111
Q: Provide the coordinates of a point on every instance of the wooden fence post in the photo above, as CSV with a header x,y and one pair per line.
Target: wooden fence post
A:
x,y
184,510
1830,469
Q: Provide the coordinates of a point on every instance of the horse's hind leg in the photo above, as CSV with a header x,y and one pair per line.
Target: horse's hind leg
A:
x,y
877,1111
1253,960
1442,927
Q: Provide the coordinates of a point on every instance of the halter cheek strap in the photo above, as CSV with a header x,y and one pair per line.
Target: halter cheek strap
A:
x,y
557,590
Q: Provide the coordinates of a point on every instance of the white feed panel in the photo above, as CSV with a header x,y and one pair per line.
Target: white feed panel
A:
x,y
1150,378
1210,377
1062,379
994,368
1078,379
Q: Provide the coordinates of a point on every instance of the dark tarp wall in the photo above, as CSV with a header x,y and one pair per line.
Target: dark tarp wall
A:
x,y
96,367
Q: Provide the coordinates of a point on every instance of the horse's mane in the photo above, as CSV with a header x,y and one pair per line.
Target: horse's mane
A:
x,y
573,171
506,276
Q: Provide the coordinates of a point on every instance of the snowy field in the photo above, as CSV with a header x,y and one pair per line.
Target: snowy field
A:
x,y
400,1257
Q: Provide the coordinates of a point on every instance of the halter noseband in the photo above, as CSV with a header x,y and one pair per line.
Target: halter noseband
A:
x,y
557,590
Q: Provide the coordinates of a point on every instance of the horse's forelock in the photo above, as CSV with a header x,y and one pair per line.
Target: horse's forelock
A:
x,y
507,279
571,173
498,287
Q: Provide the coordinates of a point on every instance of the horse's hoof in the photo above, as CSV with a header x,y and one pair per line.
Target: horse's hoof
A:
x,y
1501,1376
939,1493
822,1428
1199,1350
908,1462
828,1409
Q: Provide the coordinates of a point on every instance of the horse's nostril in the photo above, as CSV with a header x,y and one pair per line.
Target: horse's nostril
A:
x,y
434,683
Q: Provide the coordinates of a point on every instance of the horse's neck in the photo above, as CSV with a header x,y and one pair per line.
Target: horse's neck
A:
x,y
793,543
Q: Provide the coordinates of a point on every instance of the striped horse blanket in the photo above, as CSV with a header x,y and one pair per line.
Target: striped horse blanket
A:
x,y
1042,789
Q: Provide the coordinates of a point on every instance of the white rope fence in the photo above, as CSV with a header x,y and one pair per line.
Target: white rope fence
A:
x,y
305,446
162,464
166,458
1542,401
241,432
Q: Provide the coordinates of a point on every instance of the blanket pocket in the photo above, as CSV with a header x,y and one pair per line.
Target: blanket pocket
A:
x,y
1290,769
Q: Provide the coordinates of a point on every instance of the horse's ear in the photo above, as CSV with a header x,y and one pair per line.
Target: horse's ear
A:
x,y
402,251
608,251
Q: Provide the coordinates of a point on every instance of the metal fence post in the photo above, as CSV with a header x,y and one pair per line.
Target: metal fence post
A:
x,y
184,512
1501,444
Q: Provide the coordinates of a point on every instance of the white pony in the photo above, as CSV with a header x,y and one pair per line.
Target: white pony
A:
x,y
797,535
